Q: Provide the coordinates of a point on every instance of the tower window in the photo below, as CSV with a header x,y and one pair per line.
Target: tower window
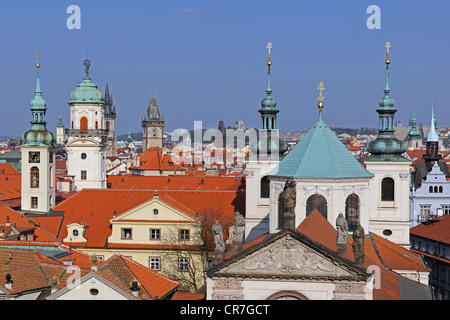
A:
x,y
34,202
316,201
83,123
352,211
387,189
34,177
265,188
83,174
83,156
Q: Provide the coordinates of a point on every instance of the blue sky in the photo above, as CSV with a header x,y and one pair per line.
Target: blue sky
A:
x,y
207,59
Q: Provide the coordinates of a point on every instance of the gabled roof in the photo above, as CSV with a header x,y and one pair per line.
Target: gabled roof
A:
x,y
436,230
154,159
320,154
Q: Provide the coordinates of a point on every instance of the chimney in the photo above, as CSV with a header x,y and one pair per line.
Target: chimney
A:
x,y
7,221
135,288
9,282
94,266
54,284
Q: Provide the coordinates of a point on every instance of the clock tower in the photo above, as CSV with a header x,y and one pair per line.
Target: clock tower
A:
x,y
152,126
38,163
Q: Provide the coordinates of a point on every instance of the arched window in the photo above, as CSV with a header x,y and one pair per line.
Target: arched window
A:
x,y
107,125
316,201
265,187
441,189
387,189
83,123
430,189
34,177
435,189
352,211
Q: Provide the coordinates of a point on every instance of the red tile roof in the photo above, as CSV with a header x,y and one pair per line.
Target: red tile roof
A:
x,y
437,230
96,207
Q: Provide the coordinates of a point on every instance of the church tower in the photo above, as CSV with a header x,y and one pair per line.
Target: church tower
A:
x,y
87,135
152,126
38,163
267,153
389,189
110,124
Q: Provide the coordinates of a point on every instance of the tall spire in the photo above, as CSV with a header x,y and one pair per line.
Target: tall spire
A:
x,y
432,135
386,147
38,135
268,104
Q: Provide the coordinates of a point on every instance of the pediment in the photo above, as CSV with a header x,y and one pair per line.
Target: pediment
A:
x,y
154,210
288,257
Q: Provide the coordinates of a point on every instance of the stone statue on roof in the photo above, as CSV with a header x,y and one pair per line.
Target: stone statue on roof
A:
x,y
358,244
219,243
342,229
239,227
288,197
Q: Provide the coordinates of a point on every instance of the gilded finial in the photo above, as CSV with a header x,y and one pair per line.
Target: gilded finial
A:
x,y
37,60
320,87
269,46
388,54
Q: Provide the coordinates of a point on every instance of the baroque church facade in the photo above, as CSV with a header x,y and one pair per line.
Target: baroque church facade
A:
x,y
328,178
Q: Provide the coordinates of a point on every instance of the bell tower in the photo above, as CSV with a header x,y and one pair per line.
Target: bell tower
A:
x,y
38,163
389,189
152,126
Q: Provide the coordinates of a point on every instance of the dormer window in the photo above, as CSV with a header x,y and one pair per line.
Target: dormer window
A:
x,y
127,233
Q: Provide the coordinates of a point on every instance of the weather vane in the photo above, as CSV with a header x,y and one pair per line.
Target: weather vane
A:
x,y
320,87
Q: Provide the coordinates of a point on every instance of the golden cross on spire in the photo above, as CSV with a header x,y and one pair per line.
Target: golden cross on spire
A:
x,y
269,46
37,61
320,87
388,54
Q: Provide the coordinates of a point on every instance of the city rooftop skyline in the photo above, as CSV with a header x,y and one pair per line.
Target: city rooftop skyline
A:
x,y
206,60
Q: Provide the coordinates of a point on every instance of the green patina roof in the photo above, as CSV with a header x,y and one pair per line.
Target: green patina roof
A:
x,y
86,92
320,154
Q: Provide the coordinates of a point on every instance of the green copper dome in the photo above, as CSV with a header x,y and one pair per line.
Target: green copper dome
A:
x,y
86,91
320,154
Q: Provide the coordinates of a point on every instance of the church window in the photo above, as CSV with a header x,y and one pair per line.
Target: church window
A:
x,y
50,200
83,175
316,201
126,234
107,125
34,202
441,189
96,125
34,177
352,211
435,189
83,156
50,177
83,123
387,189
265,188
430,189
